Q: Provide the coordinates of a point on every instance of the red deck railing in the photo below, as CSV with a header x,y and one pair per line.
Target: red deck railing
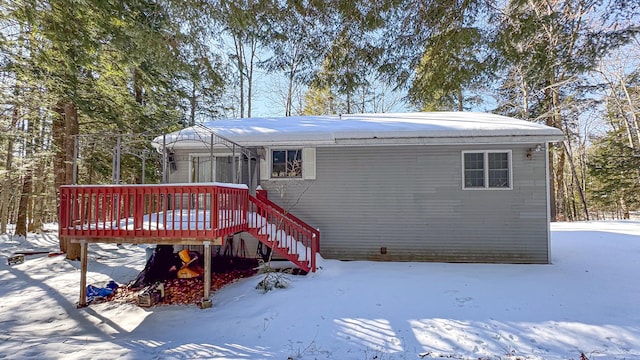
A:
x,y
262,196
180,211
183,213
284,233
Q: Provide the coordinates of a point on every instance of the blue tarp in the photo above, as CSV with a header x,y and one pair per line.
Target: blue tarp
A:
x,y
95,293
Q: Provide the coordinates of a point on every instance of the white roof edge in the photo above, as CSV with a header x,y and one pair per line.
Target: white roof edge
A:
x,y
428,128
531,139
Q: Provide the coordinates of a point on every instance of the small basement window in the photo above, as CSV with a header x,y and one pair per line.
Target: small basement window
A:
x,y
486,170
286,163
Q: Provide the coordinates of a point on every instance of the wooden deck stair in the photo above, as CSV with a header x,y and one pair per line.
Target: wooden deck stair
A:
x,y
284,233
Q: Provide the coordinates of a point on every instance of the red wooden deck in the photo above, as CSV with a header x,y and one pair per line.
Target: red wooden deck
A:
x,y
173,214
188,214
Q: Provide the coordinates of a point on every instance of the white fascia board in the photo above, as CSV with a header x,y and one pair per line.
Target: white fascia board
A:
x,y
460,140
289,144
493,140
265,144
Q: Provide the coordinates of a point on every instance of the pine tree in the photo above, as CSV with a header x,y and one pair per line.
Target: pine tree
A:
x,y
454,63
614,168
88,75
547,48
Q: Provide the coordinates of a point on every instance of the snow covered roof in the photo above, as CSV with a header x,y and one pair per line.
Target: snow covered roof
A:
x,y
368,129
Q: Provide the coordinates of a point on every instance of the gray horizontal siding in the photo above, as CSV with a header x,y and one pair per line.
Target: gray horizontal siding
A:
x,y
409,200
179,173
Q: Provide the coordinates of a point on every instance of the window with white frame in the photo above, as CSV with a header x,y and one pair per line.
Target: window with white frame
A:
x,y
286,163
486,169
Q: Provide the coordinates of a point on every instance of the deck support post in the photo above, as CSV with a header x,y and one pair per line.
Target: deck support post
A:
x,y
82,301
206,302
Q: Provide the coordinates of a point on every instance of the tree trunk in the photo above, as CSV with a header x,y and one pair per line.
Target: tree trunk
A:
x,y
624,209
348,103
7,186
21,222
5,201
289,102
633,113
250,76
31,203
25,193
72,126
64,128
560,186
577,181
240,56
553,211
554,120
58,137
525,95
193,102
137,86
621,109
38,200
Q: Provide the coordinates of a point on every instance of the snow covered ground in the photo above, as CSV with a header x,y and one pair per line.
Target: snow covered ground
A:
x,y
587,301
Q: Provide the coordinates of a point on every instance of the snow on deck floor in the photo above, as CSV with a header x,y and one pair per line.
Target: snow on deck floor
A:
x,y
586,301
181,219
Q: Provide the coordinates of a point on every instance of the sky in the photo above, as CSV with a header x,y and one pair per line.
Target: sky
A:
x,y
586,301
269,90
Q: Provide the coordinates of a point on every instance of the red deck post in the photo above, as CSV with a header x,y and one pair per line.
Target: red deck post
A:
x,y
138,209
314,251
215,211
63,211
262,194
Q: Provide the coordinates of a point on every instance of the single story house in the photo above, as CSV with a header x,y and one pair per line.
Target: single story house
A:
x,y
424,186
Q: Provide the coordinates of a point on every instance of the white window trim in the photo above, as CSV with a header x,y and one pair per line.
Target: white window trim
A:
x,y
308,164
486,169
